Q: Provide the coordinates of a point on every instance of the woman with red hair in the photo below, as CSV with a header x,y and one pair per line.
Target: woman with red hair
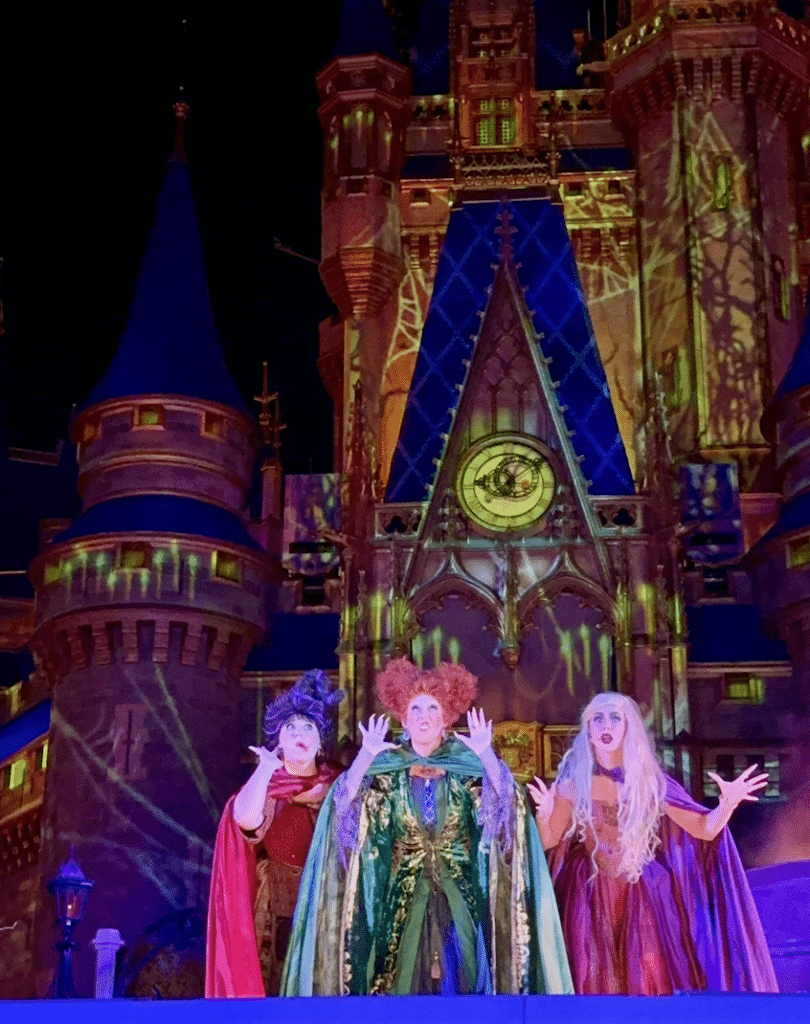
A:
x,y
426,873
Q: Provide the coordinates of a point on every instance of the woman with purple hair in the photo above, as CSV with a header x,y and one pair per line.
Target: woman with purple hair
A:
x,y
263,841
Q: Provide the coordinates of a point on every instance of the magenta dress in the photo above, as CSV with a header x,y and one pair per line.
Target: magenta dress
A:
x,y
689,923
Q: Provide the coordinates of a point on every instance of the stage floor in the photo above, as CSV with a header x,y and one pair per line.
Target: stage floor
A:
x,y
686,1009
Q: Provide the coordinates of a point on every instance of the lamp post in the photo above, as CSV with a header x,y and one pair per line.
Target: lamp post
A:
x,y
70,889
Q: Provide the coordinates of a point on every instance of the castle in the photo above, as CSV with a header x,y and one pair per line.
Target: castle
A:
x,y
571,381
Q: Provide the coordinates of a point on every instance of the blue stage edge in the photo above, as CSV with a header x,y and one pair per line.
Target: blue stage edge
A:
x,y
684,1009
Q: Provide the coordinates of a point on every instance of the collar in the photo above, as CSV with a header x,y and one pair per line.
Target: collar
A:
x,y
616,774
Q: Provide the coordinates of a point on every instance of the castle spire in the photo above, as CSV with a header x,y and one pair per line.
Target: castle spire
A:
x,y
181,109
170,345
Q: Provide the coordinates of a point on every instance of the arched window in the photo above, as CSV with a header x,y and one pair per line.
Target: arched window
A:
x,y
358,124
385,135
333,142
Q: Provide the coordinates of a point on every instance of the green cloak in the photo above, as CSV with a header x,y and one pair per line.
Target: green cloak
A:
x,y
360,914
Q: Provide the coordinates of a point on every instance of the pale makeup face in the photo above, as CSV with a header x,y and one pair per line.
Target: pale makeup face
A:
x,y
606,730
424,721
299,740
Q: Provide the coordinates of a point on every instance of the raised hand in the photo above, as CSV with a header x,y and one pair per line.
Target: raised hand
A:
x,y
269,760
374,735
543,797
742,788
480,737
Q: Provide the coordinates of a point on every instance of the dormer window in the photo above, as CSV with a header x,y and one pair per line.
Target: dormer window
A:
x,y
214,424
798,553
744,688
134,555
15,774
90,430
225,566
150,416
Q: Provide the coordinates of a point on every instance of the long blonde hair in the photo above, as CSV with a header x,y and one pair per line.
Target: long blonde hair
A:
x,y
641,795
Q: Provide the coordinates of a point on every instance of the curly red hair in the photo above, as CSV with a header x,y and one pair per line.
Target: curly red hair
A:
x,y
453,686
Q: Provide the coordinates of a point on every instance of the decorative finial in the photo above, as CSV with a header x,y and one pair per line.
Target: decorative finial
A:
x,y
554,116
270,416
505,230
181,107
180,114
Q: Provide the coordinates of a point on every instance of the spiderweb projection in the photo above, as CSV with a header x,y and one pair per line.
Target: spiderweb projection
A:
x,y
405,334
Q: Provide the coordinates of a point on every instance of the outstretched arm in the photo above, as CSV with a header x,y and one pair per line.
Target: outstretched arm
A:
x,y
708,826
552,812
373,743
248,807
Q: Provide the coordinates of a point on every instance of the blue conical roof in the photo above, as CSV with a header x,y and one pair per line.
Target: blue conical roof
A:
x,y
365,28
170,345
798,375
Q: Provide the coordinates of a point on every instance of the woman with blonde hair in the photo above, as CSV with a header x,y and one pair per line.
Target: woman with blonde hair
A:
x,y
652,895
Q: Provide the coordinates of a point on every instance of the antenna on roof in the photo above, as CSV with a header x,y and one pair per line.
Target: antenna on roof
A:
x,y
180,106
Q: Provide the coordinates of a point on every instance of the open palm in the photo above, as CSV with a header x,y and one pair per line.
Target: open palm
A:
x,y
543,797
374,735
742,788
480,732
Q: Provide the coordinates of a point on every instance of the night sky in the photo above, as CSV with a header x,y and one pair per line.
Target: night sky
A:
x,y
87,127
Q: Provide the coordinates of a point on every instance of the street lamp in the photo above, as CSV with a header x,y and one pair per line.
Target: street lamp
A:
x,y
70,889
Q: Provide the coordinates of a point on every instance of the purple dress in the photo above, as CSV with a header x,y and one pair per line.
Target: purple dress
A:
x,y
689,923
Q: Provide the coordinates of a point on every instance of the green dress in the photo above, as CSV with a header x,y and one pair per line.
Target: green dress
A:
x,y
399,898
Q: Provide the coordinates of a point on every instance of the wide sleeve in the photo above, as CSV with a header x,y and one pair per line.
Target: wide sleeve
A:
x,y
345,872
497,809
723,917
232,968
528,948
254,836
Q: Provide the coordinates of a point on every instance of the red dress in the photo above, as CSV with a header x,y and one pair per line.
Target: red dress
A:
x,y
254,887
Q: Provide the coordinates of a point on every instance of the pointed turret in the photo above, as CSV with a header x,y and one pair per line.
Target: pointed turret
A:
x,y
167,401
170,344
148,604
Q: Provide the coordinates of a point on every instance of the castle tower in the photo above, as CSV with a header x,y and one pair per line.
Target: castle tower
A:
x,y
148,604
493,73
707,96
364,112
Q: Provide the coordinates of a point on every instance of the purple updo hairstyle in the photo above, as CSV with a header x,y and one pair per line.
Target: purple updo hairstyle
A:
x,y
311,696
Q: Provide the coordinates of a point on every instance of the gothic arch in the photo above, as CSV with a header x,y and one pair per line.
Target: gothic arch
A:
x,y
547,591
433,595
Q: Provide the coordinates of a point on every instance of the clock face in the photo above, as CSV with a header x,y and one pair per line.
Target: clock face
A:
x,y
506,483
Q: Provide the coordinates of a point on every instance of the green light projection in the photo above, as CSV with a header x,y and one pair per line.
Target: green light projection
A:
x,y
566,656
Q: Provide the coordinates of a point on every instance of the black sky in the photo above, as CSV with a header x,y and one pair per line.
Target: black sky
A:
x,y
86,128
